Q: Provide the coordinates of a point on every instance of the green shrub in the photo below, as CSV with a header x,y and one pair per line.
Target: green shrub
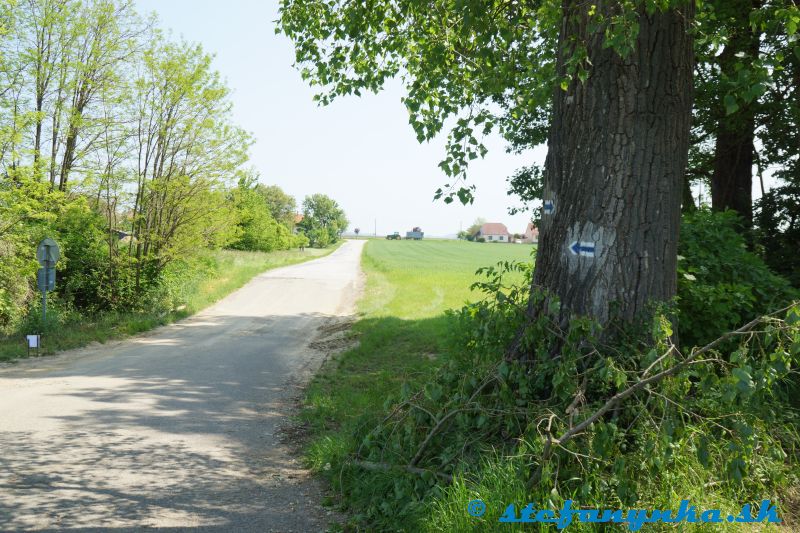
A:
x,y
319,237
299,240
17,268
257,230
83,274
721,285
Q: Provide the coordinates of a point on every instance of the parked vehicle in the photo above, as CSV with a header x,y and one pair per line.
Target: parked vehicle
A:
x,y
415,234
394,236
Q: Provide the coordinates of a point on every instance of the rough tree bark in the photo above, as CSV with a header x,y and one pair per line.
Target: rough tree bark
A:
x,y
617,154
732,180
734,151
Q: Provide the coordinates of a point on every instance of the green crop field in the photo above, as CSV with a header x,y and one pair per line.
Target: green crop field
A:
x,y
417,279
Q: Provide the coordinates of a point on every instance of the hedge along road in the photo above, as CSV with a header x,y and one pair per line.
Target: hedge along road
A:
x,y
176,428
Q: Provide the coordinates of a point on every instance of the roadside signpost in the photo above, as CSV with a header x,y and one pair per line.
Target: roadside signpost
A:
x,y
46,279
33,342
47,253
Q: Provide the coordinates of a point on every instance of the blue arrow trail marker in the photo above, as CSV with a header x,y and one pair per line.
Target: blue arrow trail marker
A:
x,y
549,207
585,249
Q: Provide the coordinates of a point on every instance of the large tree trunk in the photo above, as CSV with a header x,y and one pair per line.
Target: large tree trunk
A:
x,y
734,152
732,180
617,155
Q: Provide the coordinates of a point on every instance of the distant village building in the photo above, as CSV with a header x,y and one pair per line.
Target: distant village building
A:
x,y
531,234
494,232
298,218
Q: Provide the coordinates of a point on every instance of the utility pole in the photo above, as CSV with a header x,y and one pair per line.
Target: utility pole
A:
x,y
376,228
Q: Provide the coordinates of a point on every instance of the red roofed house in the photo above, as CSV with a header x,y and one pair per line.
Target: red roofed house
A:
x,y
531,234
494,232
298,218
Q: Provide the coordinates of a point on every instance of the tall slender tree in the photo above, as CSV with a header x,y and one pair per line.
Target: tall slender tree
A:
x,y
747,51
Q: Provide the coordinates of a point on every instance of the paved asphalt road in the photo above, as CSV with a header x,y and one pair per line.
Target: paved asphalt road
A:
x,y
176,429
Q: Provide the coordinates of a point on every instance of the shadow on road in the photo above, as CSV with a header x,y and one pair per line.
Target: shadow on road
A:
x,y
173,431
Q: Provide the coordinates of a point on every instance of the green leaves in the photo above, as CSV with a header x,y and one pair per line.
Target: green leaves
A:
x,y
458,61
731,106
702,452
433,392
731,285
744,383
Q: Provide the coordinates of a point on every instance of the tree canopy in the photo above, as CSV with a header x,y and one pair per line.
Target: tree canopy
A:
x,y
119,142
492,67
323,220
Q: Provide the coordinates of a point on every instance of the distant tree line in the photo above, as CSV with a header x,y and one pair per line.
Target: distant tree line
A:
x,y
118,142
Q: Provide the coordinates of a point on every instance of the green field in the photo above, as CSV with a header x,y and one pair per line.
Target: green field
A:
x,y
420,279
402,337
223,272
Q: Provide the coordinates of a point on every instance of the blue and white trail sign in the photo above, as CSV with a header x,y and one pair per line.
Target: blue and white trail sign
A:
x,y
583,248
549,207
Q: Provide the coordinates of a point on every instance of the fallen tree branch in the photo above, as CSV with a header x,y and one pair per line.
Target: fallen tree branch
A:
x,y
617,398
440,423
431,434
385,467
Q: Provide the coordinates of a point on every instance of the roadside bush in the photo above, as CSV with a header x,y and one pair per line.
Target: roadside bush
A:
x,y
83,272
26,205
319,237
15,272
179,280
721,285
59,314
299,240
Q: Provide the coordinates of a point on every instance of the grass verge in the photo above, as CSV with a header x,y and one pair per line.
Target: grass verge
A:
x,y
403,337
222,272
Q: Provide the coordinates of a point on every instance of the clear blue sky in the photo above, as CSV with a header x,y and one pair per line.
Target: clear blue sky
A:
x,y
360,151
